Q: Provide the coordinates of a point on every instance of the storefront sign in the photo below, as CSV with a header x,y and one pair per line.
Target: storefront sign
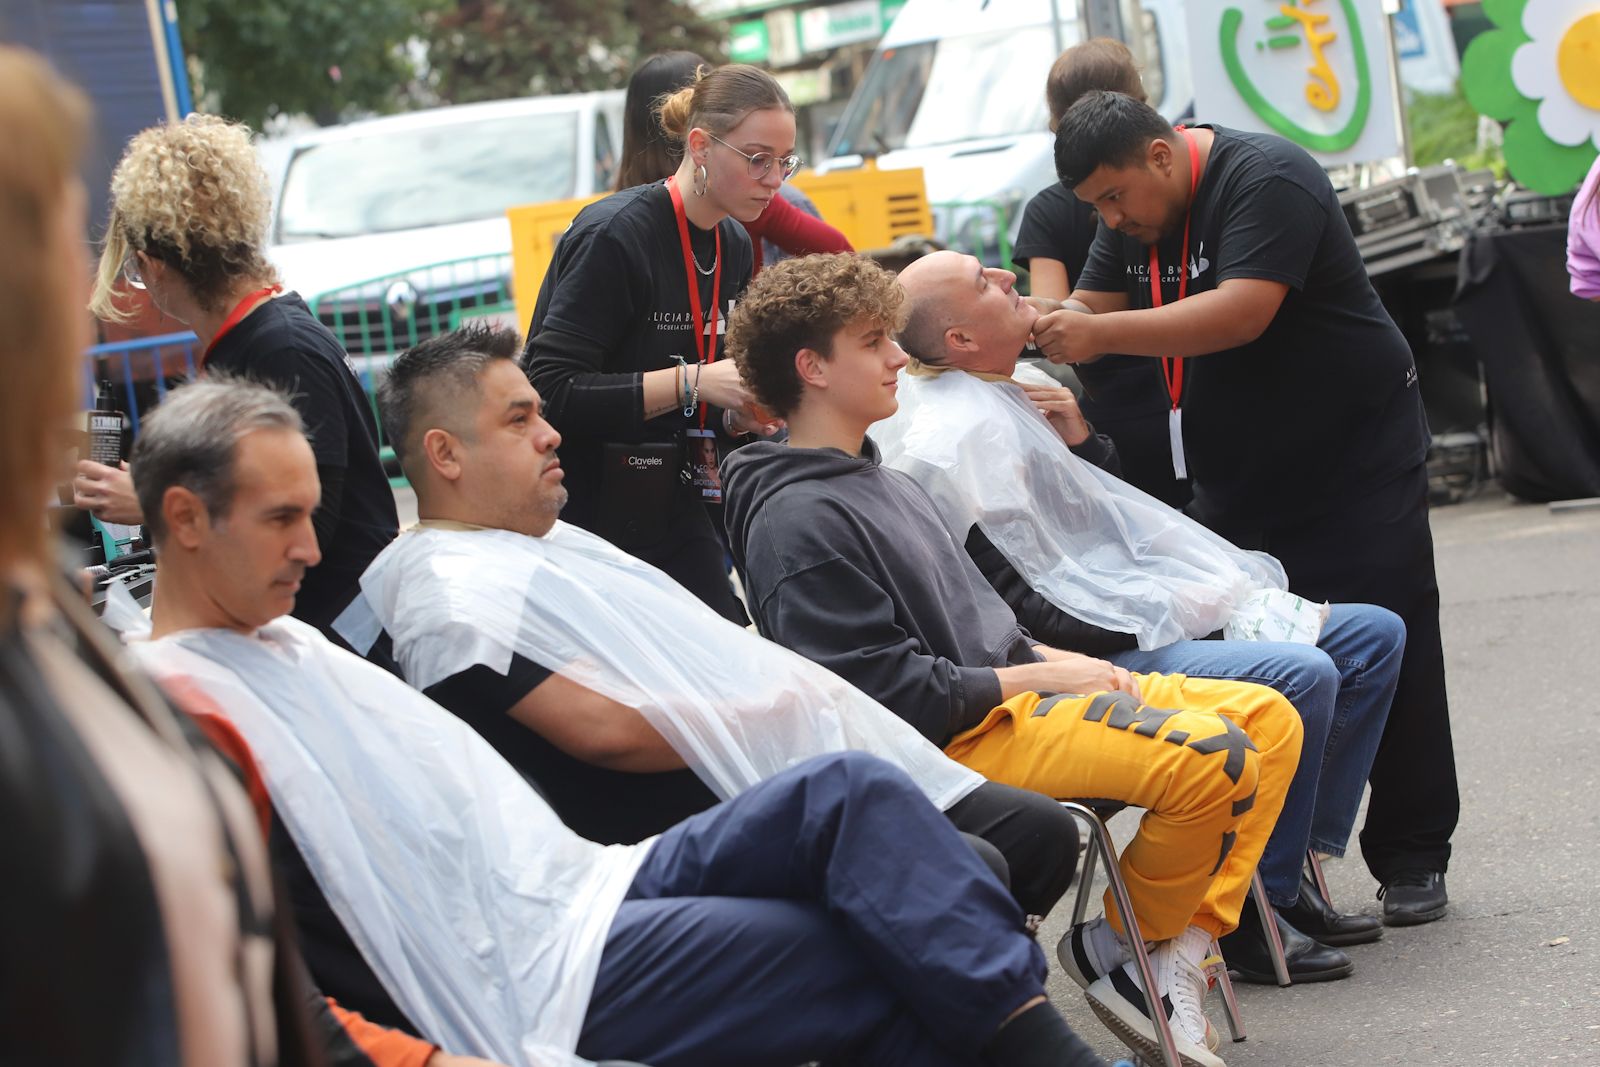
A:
x,y
748,42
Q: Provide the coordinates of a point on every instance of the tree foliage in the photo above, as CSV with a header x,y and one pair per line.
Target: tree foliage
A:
x,y
253,59
490,49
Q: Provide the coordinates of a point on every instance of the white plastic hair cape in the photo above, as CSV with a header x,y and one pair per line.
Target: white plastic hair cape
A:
x,y
483,915
1090,543
737,708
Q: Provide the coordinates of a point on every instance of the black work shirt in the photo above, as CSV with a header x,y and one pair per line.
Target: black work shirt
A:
x,y
611,807
1057,225
282,344
1324,404
615,304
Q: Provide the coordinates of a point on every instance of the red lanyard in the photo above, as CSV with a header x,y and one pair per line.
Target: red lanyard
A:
x,y
240,310
705,332
1172,369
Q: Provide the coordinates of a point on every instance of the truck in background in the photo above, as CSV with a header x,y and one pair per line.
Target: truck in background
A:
x,y
956,87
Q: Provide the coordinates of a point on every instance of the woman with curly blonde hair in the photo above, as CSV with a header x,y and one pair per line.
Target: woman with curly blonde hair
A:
x,y
190,208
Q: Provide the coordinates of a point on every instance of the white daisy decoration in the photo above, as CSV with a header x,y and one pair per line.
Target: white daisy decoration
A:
x,y
1559,66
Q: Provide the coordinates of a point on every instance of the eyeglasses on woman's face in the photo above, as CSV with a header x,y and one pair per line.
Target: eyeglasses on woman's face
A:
x,y
760,164
130,270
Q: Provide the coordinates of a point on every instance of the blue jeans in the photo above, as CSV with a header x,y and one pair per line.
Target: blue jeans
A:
x,y
1342,688
829,913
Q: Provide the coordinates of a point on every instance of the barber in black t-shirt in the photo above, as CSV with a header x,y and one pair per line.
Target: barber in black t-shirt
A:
x,y
626,340
1295,408
193,236
1123,396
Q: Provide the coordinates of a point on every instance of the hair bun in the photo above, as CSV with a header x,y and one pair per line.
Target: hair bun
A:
x,y
675,109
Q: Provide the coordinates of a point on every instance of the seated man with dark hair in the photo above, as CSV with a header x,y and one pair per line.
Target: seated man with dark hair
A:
x,y
776,928
850,564
594,673
1092,564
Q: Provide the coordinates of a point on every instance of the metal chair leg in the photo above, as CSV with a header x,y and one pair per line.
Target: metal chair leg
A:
x,y
1130,925
1315,863
1269,927
1230,1002
1086,884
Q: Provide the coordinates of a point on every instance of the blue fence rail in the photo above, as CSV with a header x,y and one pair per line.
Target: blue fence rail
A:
x,y
144,369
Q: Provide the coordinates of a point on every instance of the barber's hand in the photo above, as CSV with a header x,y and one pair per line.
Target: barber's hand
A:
x,y
106,493
444,1059
1043,304
1059,406
1072,672
1068,336
721,385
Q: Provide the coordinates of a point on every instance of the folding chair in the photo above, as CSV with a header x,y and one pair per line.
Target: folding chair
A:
x,y
1095,815
1269,928
1314,862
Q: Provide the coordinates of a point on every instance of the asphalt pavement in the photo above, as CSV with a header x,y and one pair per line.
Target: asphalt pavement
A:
x,y
1512,974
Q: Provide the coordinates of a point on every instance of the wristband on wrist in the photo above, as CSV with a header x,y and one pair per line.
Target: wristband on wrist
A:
x,y
693,400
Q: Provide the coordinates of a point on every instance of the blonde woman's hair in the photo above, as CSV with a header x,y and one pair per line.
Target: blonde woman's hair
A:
x,y
719,99
194,195
43,125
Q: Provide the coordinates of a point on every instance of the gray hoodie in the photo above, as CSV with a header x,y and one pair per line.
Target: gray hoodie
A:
x,y
849,564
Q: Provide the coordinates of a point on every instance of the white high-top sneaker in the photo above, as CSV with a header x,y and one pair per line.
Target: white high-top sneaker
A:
x,y
1181,981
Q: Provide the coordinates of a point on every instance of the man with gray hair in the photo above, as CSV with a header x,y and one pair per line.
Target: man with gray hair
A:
x,y
773,929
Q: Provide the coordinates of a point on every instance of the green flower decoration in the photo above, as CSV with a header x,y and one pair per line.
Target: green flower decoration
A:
x,y
1538,72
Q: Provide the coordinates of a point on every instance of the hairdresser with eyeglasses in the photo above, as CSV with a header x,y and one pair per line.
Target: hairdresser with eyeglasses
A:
x,y
625,346
190,205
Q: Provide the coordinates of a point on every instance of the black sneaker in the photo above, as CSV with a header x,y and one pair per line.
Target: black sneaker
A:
x,y
1413,897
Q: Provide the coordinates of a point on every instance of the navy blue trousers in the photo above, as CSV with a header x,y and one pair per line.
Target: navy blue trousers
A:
x,y
830,913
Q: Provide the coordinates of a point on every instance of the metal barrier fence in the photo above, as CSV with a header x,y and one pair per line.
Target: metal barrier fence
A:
x,y
144,368
374,320
978,227
380,317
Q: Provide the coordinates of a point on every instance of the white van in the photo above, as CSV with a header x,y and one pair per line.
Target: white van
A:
x,y
366,211
956,87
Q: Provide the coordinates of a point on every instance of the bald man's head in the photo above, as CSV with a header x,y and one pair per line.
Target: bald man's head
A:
x,y
963,314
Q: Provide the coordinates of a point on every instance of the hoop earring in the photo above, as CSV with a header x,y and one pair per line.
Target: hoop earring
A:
x,y
701,183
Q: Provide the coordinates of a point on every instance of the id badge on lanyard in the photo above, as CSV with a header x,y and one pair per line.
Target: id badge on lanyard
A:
x,y
700,468
1172,369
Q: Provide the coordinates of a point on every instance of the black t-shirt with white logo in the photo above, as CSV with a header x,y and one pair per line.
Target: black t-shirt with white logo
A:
x,y
1324,404
282,344
615,304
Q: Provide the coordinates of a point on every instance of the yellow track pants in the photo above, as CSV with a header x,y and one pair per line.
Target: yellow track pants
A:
x,y
1209,761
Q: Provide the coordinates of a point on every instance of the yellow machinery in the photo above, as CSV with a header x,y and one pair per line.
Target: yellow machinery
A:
x,y
872,207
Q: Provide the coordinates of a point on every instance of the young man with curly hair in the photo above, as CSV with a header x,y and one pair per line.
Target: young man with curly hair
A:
x,y
848,563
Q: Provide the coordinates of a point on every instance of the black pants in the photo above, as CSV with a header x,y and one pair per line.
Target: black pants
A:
x,y
1038,840
1378,549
